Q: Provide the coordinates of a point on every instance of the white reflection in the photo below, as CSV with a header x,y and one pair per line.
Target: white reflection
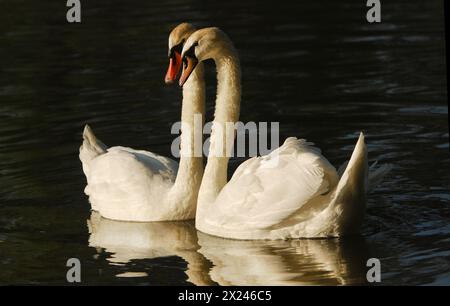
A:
x,y
291,262
234,262
139,240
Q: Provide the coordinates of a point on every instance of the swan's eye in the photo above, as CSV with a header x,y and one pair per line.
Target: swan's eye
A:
x,y
191,51
176,49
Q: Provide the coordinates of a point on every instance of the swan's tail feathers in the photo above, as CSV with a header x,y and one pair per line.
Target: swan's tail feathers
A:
x,y
376,174
342,168
91,148
94,143
349,199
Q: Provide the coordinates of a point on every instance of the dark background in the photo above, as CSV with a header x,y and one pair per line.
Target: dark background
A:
x,y
317,67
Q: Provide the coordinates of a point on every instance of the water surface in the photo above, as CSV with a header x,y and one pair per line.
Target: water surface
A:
x,y
318,68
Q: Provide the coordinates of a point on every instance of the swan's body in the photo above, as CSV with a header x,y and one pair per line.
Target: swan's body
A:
x,y
135,185
292,192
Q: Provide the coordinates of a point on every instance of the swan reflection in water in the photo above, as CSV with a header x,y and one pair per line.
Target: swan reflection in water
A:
x,y
213,260
148,240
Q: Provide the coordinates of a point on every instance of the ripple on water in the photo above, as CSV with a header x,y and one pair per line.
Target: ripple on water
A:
x,y
324,83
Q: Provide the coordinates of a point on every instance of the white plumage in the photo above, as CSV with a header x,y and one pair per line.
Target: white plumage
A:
x,y
136,185
290,193
293,192
128,184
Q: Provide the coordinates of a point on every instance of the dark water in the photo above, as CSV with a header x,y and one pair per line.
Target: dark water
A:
x,y
316,67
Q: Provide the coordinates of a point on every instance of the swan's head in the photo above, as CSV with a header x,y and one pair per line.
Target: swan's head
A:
x,y
207,43
177,38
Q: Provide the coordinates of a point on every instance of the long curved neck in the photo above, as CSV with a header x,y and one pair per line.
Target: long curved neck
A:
x,y
222,134
190,169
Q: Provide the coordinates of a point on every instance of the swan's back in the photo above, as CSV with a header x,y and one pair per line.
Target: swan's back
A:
x,y
123,183
265,193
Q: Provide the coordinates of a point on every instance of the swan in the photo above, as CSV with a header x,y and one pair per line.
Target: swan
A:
x,y
136,185
293,192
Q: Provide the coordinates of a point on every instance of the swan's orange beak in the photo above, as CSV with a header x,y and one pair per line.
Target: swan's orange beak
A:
x,y
174,68
189,64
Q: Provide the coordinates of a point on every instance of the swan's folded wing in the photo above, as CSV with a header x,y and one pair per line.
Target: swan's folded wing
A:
x,y
149,160
266,190
128,177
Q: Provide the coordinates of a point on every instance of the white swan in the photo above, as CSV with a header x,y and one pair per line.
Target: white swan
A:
x,y
291,192
136,185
